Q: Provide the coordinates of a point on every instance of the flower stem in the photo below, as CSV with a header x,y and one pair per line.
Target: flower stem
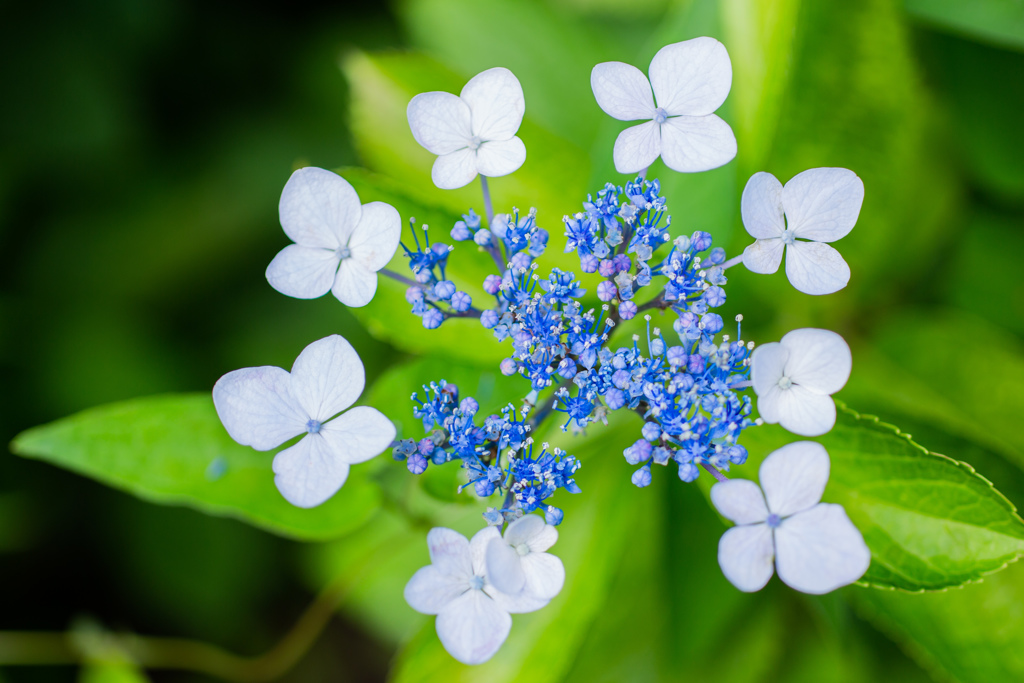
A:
x,y
401,278
714,471
488,208
735,260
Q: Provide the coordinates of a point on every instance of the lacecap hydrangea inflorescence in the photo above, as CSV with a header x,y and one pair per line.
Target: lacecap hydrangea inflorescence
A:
x,y
687,379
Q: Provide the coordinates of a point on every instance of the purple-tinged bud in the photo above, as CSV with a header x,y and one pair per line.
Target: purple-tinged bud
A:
x,y
737,454
482,237
469,406
441,249
714,296
621,379
606,291
695,364
639,452
461,233
414,295
661,455
622,263
567,368
589,263
508,367
520,261
615,399
717,256
700,241
553,515
492,284
677,356
416,463
606,268
425,446
712,323
627,310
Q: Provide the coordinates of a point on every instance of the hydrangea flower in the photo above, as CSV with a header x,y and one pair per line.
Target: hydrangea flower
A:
x,y
690,80
339,245
518,563
814,546
472,615
794,379
819,205
266,406
473,133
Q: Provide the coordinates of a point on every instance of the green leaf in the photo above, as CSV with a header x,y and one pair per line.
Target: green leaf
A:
x,y
592,540
112,672
930,521
173,450
974,634
1000,22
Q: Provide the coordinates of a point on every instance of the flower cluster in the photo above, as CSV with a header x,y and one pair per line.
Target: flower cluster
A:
x,y
693,386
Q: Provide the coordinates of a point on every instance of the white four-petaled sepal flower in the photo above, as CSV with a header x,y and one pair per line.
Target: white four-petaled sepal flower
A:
x,y
472,615
474,132
814,546
266,406
339,244
518,564
690,80
819,205
794,379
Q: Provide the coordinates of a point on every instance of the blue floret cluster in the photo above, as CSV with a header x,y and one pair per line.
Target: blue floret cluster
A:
x,y
527,480
561,330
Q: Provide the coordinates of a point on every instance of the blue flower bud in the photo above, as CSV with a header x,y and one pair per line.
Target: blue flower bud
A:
x,y
677,356
589,263
469,406
460,233
661,455
642,477
482,237
651,431
461,302
444,290
508,367
439,456
553,515
688,472
416,464
700,240
737,454
484,488
414,295
712,323
717,256
432,319
637,453
627,310
615,399
714,296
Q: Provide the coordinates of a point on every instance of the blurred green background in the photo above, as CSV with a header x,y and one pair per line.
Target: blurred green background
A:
x,y
144,146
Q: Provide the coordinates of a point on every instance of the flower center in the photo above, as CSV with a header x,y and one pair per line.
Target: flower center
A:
x,y
475,142
785,382
343,252
313,426
660,115
773,521
477,583
523,549
788,237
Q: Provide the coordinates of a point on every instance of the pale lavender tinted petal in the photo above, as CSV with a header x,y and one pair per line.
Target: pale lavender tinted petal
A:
x,y
439,121
359,434
504,567
764,256
308,473
375,239
495,159
822,204
820,550
545,575
303,272
516,604
804,412
745,556
449,552
454,170
622,91
768,404
761,207
256,407
739,501
690,144
794,477
818,359
816,268
478,548
327,377
318,208
691,78
472,627
637,147
496,104
767,365
429,591
524,529
355,284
